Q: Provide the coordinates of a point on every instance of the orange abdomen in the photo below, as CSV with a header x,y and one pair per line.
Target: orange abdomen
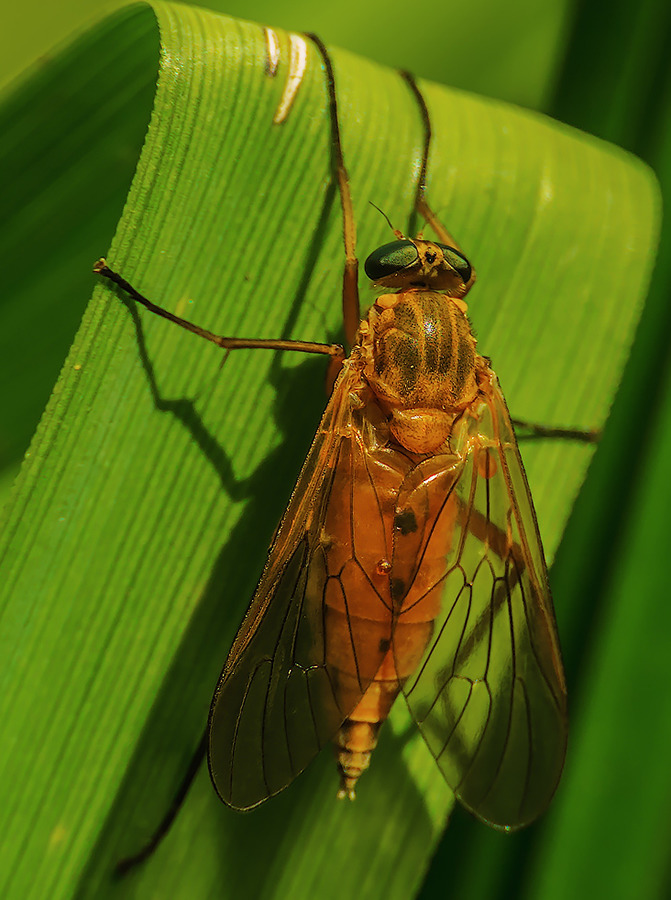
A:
x,y
379,604
377,619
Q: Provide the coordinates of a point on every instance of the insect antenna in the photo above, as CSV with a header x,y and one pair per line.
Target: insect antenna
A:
x,y
397,233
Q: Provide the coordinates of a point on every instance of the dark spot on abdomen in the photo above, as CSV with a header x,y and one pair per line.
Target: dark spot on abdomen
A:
x,y
405,521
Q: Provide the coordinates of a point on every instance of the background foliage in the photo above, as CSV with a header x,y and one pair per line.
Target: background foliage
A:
x,y
608,830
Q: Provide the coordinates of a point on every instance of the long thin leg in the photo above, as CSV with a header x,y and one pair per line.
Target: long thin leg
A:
x,y
530,430
421,203
350,284
125,865
226,343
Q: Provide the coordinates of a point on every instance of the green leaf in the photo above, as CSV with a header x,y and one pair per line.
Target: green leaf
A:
x,y
138,526
622,732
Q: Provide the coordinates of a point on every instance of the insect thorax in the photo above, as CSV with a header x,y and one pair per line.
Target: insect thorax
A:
x,y
422,365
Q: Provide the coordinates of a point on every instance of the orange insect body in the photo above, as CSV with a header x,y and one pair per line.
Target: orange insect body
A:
x,y
416,365
408,560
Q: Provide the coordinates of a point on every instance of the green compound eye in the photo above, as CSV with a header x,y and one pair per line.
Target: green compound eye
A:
x,y
390,258
458,262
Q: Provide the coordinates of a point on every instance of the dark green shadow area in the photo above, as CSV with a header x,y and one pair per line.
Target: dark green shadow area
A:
x,y
66,164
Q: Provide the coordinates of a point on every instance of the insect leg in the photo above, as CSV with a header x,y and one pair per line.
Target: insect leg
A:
x,y
531,431
350,287
226,343
421,203
125,865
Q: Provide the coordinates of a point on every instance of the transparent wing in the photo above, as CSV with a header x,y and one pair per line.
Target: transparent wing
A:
x,y
489,694
303,657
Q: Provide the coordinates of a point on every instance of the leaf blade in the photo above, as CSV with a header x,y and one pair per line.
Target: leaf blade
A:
x,y
136,452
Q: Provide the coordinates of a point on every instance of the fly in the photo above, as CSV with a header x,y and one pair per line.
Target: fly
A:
x,y
408,561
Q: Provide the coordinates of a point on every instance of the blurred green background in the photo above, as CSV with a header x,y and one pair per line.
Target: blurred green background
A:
x,y
608,74
513,51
